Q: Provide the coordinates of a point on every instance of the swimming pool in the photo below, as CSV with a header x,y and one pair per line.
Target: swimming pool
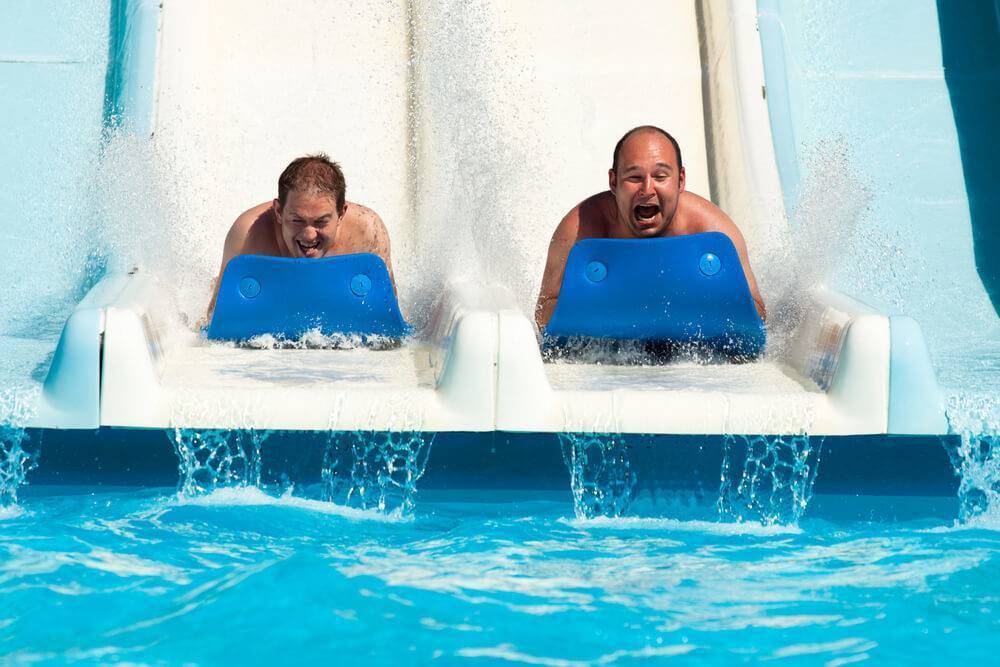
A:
x,y
717,549
139,575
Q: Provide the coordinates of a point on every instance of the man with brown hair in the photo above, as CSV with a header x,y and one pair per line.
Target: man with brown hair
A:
x,y
646,199
310,219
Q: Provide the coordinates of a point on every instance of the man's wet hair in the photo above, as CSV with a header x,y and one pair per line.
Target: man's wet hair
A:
x,y
314,173
644,128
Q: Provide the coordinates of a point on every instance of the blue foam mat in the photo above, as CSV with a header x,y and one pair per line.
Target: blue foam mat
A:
x,y
685,289
284,297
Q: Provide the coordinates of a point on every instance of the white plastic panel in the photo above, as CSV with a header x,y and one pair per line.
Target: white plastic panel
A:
x,y
158,375
769,396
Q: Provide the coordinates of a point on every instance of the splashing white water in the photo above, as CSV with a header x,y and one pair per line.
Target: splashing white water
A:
x,y
212,459
600,473
375,469
975,417
767,479
16,458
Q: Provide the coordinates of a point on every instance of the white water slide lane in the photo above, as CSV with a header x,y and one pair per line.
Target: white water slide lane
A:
x,y
471,128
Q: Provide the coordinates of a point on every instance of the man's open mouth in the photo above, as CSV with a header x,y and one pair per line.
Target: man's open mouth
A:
x,y
646,213
309,249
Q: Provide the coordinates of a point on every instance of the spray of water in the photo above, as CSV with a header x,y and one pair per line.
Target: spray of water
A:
x,y
976,457
214,459
830,220
16,457
375,469
600,474
765,479
148,223
473,136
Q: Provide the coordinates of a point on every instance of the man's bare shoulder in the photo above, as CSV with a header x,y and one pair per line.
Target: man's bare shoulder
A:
x,y
253,232
697,214
588,219
359,216
364,228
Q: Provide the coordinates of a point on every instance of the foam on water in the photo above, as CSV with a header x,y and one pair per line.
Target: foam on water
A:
x,y
314,339
671,525
250,496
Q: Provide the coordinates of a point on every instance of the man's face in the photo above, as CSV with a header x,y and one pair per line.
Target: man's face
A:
x,y
308,223
648,184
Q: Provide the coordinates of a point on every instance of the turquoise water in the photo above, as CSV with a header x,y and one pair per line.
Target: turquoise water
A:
x,y
143,576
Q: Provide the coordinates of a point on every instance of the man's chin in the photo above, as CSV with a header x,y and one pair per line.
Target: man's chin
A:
x,y
646,230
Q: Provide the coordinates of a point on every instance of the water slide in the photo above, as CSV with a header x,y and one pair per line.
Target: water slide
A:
x,y
471,129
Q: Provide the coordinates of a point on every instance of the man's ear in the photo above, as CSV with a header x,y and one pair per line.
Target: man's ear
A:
x,y
276,207
344,211
612,179
681,180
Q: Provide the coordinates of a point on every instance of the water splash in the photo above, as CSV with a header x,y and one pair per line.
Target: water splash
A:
x,y
375,469
600,474
16,459
977,462
15,463
216,458
768,479
315,339
976,457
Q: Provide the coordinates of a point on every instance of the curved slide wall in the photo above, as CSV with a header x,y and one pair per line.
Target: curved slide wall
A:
x,y
53,58
889,86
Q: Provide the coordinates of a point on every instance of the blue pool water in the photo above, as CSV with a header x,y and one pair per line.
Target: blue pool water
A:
x,y
141,576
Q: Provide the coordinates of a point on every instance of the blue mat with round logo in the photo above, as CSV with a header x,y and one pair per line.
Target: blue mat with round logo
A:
x,y
284,297
684,289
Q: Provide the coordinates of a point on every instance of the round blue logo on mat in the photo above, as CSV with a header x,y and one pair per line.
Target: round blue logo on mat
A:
x,y
249,287
709,264
596,272
361,284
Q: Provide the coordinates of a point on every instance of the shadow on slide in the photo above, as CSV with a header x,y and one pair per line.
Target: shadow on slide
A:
x,y
970,43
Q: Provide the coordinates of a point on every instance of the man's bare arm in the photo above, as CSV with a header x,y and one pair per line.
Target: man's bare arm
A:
x,y
584,221
555,266
711,218
380,244
236,240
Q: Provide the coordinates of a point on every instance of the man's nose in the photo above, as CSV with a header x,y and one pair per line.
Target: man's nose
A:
x,y
647,185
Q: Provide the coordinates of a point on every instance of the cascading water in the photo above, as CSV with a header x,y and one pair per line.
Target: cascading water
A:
x,y
375,470
767,479
16,456
600,474
976,457
213,459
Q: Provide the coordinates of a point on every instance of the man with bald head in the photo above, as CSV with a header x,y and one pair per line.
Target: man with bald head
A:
x,y
646,199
